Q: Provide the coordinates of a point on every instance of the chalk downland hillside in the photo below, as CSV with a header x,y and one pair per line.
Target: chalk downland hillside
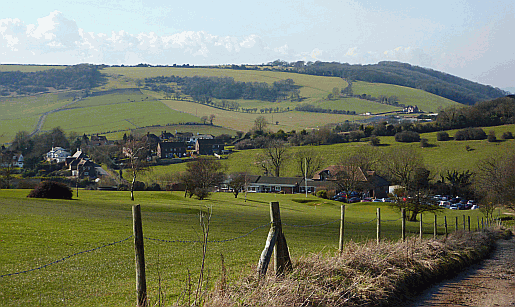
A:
x,y
101,106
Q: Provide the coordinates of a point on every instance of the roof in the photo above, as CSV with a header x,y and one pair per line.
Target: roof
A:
x,y
210,142
292,181
332,170
166,145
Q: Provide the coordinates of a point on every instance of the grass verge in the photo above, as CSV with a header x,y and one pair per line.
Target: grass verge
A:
x,y
365,274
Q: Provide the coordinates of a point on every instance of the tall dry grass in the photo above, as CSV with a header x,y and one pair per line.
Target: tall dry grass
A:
x,y
365,274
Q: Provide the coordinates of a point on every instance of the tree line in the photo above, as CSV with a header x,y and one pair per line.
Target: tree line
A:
x,y
78,77
202,88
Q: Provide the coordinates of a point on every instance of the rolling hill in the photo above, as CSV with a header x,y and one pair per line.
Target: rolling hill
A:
x,y
117,99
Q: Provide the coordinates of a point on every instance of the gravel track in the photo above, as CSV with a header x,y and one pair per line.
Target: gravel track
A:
x,y
488,283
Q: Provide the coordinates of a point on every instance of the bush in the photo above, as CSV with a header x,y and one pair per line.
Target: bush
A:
x,y
424,143
491,136
374,141
442,136
470,134
51,189
322,194
407,136
139,186
507,135
154,187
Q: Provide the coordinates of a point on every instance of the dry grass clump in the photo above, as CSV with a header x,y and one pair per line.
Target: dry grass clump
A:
x,y
365,274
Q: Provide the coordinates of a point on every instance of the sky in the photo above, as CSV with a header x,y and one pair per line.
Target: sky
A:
x,y
474,40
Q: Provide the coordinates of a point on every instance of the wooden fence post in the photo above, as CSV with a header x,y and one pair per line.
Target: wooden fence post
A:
x,y
445,224
435,228
342,227
378,225
469,222
141,283
403,215
464,223
478,223
482,224
421,230
456,224
282,261
276,242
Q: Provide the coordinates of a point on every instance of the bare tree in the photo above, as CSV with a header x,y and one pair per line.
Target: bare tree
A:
x,y
202,175
273,157
308,162
211,118
400,164
238,182
136,152
494,182
260,123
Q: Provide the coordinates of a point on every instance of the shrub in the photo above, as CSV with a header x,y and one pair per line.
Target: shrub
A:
x,y
51,189
154,187
442,136
407,136
139,186
424,143
491,136
507,135
322,194
374,141
470,134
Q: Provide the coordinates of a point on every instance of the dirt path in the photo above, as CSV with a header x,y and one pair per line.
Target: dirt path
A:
x,y
489,283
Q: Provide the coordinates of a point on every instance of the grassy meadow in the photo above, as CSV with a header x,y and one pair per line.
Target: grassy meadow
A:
x,y
439,157
36,232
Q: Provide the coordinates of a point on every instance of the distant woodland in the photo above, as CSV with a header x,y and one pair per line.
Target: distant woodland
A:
x,y
78,77
204,88
432,81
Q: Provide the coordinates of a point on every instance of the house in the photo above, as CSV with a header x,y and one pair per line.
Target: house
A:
x,y
183,136
196,137
166,136
264,184
209,147
411,109
98,140
16,160
79,154
57,154
85,168
171,149
372,184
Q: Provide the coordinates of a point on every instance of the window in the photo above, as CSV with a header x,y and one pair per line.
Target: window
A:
x,y
277,188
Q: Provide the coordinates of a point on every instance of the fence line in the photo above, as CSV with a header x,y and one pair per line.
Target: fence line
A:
x,y
362,223
67,257
210,241
315,225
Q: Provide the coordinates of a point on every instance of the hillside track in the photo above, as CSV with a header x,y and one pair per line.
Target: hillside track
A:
x,y
488,283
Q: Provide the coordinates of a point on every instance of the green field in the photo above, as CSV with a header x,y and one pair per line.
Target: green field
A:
x,y
426,102
38,232
439,157
29,68
101,114
115,112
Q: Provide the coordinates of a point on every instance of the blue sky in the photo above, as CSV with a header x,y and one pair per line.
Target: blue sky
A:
x,y
470,39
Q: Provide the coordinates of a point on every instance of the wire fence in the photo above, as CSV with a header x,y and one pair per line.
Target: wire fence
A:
x,y
246,234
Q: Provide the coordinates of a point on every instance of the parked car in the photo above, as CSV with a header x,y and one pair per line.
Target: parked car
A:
x,y
366,199
474,207
444,203
377,200
354,200
454,207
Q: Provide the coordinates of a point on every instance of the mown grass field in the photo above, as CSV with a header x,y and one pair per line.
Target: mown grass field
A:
x,y
37,232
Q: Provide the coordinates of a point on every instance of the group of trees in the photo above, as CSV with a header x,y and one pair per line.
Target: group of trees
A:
x,y
204,89
78,77
432,81
306,107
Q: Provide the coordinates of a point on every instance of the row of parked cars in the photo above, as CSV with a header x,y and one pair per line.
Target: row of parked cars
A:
x,y
456,203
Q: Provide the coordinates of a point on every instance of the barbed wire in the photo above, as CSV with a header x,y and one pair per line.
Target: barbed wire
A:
x,y
362,223
314,225
67,257
209,241
392,220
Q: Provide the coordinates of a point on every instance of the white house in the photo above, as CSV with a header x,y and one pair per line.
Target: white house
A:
x,y
57,154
